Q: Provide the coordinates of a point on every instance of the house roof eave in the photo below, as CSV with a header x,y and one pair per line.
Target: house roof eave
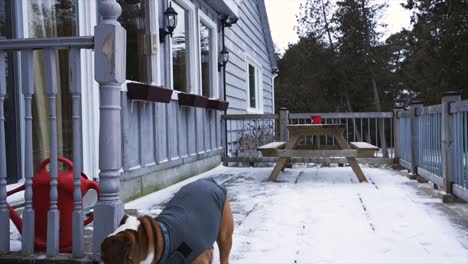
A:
x,y
222,8
267,32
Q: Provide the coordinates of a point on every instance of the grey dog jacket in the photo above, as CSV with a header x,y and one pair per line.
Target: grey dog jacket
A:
x,y
192,218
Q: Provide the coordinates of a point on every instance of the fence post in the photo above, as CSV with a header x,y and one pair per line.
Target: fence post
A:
x,y
283,124
110,61
396,133
448,155
415,107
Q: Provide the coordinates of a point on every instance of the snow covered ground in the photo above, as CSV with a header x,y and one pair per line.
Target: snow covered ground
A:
x,y
323,215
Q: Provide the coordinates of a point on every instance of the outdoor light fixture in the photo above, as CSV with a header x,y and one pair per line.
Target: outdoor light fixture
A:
x,y
229,21
170,23
224,59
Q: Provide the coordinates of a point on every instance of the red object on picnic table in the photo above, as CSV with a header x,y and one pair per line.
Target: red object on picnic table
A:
x,y
316,119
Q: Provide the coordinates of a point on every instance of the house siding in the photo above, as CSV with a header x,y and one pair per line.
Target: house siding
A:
x,y
159,136
168,138
247,38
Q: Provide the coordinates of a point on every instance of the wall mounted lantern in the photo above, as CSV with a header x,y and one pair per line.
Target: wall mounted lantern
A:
x,y
229,21
224,58
170,23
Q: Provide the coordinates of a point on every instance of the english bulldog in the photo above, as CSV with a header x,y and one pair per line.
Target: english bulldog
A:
x,y
184,232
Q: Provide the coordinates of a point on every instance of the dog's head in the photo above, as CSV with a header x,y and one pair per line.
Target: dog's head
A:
x,y
120,247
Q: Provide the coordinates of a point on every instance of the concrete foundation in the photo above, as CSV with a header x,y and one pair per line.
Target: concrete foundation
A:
x,y
141,185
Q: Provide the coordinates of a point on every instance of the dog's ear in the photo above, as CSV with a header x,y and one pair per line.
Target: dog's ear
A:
x,y
116,249
124,219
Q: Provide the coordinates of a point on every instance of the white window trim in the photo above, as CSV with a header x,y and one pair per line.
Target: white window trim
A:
x,y
214,87
259,85
87,19
191,45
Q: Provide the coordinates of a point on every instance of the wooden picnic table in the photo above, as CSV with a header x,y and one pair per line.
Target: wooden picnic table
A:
x,y
291,148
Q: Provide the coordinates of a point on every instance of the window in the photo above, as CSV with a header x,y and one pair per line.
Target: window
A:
x,y
205,37
47,19
254,86
180,51
133,20
208,57
10,104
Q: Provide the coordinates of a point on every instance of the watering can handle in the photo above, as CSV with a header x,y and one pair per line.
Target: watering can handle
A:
x,y
46,162
14,216
92,186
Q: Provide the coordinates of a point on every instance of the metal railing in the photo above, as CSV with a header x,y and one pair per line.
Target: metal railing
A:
x,y
459,110
405,139
109,43
373,128
49,47
430,140
433,143
245,133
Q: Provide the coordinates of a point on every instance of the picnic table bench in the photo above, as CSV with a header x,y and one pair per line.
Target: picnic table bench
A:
x,y
286,150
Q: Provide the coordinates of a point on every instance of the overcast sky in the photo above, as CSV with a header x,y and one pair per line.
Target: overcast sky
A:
x,y
282,18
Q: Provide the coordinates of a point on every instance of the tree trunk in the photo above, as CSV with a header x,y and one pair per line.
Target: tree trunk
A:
x,y
332,47
350,109
327,28
375,89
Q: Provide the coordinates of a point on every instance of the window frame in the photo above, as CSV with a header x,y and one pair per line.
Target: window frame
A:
x,y
192,70
249,61
211,25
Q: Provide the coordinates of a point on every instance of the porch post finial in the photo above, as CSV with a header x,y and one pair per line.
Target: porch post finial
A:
x,y
110,11
110,60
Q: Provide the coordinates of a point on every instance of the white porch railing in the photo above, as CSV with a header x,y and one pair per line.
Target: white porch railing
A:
x,y
109,49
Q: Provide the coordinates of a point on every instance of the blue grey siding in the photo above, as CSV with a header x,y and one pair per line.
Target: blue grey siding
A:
x,y
247,38
157,136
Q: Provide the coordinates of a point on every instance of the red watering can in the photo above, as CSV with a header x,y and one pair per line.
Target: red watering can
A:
x,y
41,204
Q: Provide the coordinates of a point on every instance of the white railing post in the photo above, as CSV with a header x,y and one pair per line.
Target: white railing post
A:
x,y
78,214
4,214
415,107
27,68
110,61
53,215
448,155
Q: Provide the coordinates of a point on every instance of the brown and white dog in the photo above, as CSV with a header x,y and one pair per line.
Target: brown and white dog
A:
x,y
142,240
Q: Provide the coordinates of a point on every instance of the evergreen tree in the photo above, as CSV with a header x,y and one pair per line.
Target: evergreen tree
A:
x,y
438,48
